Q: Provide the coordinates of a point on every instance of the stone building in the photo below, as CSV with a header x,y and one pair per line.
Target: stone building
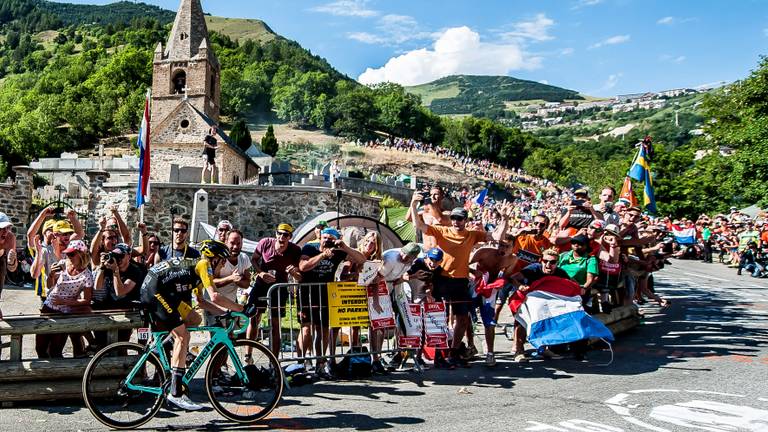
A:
x,y
186,101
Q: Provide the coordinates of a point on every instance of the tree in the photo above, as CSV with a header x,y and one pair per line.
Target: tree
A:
x,y
269,142
241,136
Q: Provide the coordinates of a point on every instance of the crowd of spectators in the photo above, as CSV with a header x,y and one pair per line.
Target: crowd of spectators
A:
x,y
473,255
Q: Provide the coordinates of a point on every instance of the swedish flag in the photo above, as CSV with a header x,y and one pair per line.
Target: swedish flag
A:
x,y
641,171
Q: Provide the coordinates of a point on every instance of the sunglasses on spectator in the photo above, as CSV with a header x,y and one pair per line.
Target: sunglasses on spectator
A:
x,y
547,262
457,218
110,237
283,234
62,234
180,230
70,254
540,223
222,229
154,242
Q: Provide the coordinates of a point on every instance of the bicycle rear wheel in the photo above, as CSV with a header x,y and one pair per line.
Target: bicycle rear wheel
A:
x,y
104,386
238,402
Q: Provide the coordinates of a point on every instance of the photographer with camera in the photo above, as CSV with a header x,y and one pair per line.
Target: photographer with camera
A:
x,y
318,265
605,207
118,279
431,213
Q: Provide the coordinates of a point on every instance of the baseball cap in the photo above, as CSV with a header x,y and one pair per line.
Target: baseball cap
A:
x,y
580,239
435,254
581,191
612,229
321,224
459,212
635,208
76,245
332,232
285,227
5,221
411,249
597,224
49,224
225,224
122,249
63,227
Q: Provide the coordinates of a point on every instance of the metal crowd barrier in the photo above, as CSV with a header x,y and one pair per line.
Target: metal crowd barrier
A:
x,y
306,300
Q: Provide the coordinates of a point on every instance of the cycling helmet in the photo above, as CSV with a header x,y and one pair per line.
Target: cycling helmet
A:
x,y
214,249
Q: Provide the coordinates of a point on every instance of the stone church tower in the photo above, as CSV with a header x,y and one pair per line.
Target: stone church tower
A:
x,y
187,67
186,101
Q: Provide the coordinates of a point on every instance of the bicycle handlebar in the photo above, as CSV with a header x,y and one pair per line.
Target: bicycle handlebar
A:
x,y
245,320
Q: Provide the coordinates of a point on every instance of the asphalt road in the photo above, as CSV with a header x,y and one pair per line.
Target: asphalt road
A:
x,y
701,365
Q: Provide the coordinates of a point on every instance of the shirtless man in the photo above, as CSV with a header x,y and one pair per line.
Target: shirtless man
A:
x,y
432,214
490,264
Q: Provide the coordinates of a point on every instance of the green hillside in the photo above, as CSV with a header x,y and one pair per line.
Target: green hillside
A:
x,y
241,29
485,96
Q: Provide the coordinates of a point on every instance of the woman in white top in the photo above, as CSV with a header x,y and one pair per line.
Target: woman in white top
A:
x,y
72,286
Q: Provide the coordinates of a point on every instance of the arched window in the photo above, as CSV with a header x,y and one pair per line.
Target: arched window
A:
x,y
179,82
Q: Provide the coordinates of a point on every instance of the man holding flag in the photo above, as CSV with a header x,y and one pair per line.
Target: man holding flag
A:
x,y
641,171
142,192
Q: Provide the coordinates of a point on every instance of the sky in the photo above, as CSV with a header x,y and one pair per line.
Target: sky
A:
x,y
597,47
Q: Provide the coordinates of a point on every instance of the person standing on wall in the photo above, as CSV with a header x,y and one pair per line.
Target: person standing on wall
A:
x,y
210,145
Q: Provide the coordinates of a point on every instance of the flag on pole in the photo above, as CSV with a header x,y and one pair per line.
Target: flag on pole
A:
x,y
142,192
641,171
627,195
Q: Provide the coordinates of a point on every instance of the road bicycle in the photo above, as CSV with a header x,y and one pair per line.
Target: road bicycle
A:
x,y
126,383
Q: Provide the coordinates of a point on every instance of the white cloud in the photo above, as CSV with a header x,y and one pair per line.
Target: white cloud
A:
x,y
544,81
672,59
612,81
392,30
613,40
586,3
667,20
765,32
457,50
352,8
536,29
566,51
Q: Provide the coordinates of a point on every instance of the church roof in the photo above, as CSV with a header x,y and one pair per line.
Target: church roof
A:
x,y
185,104
189,34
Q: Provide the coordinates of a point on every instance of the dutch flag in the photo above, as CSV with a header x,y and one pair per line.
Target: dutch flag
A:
x,y
552,313
684,236
142,192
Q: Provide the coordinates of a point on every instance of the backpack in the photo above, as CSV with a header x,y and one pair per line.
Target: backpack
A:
x,y
355,366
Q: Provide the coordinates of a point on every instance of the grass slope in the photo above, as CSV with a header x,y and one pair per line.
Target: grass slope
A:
x,y
241,29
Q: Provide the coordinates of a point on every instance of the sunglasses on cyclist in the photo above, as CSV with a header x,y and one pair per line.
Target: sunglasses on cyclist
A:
x,y
180,230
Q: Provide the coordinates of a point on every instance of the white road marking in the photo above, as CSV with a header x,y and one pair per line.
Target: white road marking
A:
x,y
702,275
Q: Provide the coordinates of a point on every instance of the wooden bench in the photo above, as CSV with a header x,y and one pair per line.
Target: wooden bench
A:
x,y
44,379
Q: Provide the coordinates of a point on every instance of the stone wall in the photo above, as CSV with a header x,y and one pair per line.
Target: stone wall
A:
x,y
402,194
16,200
255,210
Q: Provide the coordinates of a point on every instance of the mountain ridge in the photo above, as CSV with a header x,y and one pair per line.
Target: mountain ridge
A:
x,y
485,95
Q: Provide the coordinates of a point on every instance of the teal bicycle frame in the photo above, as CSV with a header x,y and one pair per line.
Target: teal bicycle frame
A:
x,y
219,335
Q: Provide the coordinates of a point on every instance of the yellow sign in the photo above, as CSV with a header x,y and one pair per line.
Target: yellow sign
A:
x,y
347,304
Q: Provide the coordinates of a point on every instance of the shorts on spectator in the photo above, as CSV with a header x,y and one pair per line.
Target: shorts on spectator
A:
x,y
504,293
277,301
313,305
455,291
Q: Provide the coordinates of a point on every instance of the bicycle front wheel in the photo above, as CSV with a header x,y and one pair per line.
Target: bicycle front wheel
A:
x,y
105,386
244,403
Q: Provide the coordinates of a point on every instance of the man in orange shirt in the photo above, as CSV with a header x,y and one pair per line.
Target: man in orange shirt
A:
x,y
452,284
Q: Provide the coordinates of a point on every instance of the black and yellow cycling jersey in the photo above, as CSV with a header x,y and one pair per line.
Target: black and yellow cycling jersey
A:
x,y
168,288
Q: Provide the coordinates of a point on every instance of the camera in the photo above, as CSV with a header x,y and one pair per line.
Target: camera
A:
x,y
109,257
58,213
330,244
608,207
427,198
577,203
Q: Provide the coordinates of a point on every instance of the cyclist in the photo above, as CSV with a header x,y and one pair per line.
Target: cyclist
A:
x,y
166,294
